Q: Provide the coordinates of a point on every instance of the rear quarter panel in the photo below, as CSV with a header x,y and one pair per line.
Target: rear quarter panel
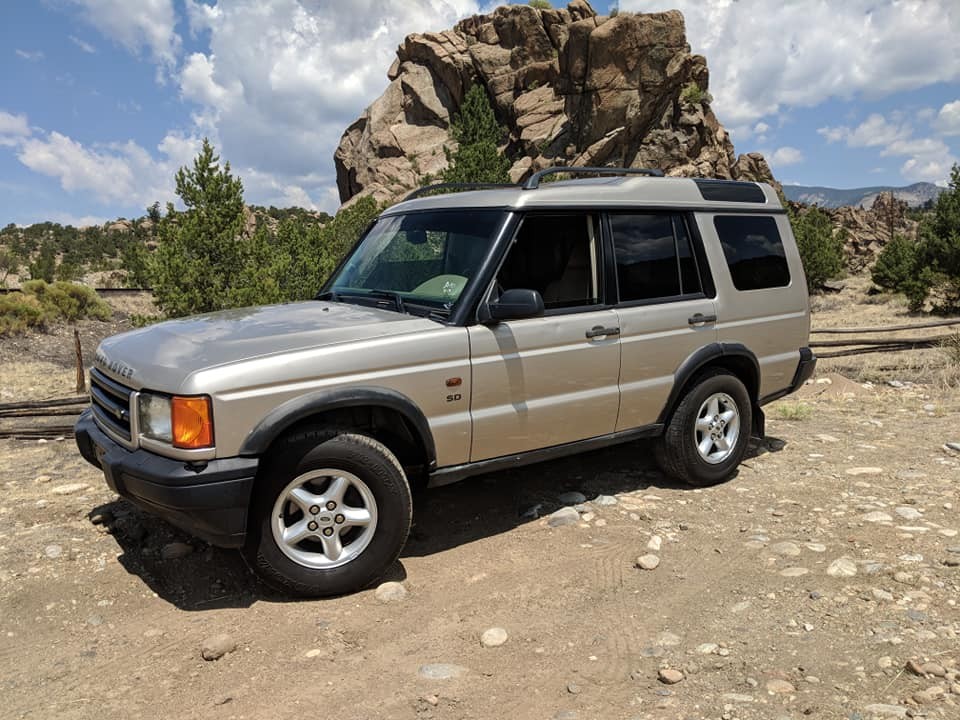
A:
x,y
773,323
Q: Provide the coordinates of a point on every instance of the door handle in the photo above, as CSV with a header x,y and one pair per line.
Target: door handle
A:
x,y
701,319
601,331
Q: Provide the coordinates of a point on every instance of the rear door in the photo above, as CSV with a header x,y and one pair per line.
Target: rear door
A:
x,y
540,382
666,307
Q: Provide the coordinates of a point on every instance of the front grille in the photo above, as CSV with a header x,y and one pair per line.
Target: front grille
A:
x,y
111,404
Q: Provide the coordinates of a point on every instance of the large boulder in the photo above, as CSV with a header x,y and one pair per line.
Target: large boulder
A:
x,y
570,86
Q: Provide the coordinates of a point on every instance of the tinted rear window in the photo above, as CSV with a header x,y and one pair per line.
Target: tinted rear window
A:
x,y
754,251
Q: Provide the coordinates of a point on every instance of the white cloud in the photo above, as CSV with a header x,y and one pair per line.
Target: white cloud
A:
x,y
763,57
948,119
786,156
875,131
282,108
928,159
761,128
82,44
30,55
13,129
78,221
137,25
121,173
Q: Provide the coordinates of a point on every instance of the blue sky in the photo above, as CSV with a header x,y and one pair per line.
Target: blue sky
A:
x,y
102,100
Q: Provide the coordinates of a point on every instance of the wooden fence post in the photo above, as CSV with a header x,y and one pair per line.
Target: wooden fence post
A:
x,y
81,376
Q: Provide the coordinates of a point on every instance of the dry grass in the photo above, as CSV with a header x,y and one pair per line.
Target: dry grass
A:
x,y
852,307
793,410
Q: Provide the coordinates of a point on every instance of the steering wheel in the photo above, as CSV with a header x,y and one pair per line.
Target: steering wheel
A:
x,y
447,287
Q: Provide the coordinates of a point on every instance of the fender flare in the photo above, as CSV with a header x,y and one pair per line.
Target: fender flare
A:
x,y
293,411
700,359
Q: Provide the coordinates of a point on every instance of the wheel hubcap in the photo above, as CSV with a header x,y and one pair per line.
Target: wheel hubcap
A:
x,y
717,428
324,518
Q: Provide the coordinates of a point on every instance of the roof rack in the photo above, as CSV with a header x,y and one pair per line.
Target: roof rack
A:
x,y
459,186
533,182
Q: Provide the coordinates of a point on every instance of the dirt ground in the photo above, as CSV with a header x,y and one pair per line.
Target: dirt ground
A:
x,y
803,587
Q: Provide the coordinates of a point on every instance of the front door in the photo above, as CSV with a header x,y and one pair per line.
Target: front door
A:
x,y
547,381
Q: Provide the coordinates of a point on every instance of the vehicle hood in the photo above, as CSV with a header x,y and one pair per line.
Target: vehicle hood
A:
x,y
162,356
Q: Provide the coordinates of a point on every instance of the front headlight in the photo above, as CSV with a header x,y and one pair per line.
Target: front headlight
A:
x,y
155,417
184,422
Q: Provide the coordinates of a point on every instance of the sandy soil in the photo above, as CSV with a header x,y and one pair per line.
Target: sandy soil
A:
x,y
801,588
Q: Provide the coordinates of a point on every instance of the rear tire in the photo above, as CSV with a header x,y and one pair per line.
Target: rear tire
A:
x,y
330,514
709,431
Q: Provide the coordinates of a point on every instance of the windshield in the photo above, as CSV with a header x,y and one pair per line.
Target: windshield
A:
x,y
424,258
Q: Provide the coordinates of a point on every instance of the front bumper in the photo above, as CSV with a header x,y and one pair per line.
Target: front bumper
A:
x,y
209,499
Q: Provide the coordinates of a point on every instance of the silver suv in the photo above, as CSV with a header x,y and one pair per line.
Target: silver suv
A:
x,y
464,333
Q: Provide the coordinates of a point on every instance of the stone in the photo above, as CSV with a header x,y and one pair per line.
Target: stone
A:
x,y
604,500
53,551
787,549
877,517
654,543
175,551
42,479
391,591
493,637
315,652
648,562
569,87
858,471
953,445
572,497
842,567
935,669
794,572
565,715
780,687
669,676
442,671
881,595
563,516
887,711
101,517
707,648
908,513
69,489
573,689
215,647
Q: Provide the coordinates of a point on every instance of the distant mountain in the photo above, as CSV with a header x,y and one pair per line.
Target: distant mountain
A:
x,y
914,195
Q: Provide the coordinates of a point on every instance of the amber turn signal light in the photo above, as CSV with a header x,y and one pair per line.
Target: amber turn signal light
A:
x,y
192,422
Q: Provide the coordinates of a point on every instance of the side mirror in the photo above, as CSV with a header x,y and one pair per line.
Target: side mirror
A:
x,y
516,304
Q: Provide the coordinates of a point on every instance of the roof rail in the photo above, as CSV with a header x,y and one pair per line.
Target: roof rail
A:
x,y
459,186
533,182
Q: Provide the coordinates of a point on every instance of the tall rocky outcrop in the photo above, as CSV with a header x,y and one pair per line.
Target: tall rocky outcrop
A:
x,y
572,87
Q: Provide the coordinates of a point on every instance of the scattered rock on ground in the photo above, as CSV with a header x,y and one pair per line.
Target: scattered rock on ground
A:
x,y
572,497
670,676
69,489
648,562
493,637
442,671
390,592
842,567
175,551
563,516
215,647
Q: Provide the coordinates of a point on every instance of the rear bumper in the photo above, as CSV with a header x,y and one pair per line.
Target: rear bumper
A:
x,y
209,500
804,371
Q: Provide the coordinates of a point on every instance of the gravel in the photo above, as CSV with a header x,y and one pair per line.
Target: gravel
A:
x,y
563,516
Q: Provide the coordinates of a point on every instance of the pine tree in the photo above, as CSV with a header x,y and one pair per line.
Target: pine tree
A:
x,y
478,158
202,255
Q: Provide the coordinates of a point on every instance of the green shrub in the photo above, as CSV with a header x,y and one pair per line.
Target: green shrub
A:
x,y
39,303
20,313
694,94
476,130
540,4
820,250
935,266
896,264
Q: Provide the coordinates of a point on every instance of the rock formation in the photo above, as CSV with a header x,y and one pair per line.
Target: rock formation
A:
x,y
868,231
572,88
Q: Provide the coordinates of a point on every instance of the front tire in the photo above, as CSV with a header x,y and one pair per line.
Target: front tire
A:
x,y
331,513
708,432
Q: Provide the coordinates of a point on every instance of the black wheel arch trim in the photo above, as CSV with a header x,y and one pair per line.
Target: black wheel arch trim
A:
x,y
293,411
700,359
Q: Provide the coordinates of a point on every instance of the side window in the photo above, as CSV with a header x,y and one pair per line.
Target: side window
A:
x,y
558,256
654,256
754,251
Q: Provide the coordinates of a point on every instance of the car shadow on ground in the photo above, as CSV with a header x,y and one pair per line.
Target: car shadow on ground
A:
x,y
195,577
